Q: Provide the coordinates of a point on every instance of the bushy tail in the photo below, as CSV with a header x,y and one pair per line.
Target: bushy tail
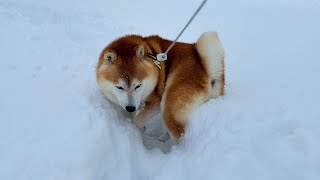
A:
x,y
211,51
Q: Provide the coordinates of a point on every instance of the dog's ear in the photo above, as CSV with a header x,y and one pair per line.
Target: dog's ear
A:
x,y
109,57
140,51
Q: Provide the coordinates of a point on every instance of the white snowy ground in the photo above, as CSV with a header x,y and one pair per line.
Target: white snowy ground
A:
x,y
55,124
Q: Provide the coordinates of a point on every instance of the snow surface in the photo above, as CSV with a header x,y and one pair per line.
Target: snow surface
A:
x,y
55,123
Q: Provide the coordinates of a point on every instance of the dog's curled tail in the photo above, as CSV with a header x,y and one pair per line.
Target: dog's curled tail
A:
x,y
211,52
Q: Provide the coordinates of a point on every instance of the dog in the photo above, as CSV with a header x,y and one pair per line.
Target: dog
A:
x,y
192,75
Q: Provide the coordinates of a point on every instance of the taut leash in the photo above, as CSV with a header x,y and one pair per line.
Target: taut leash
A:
x,y
163,56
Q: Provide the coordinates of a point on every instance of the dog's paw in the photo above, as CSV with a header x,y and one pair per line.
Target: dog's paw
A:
x,y
164,137
143,129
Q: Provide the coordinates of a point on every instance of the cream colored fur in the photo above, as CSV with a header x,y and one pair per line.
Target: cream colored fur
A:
x,y
211,50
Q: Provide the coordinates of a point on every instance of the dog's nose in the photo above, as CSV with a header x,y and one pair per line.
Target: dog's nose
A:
x,y
130,108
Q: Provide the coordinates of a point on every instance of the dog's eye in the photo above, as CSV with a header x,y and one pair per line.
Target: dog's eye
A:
x,y
137,86
119,87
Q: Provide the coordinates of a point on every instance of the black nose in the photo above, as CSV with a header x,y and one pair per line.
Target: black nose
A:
x,y
130,108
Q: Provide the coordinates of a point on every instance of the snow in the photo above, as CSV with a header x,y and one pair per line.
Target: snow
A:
x,y
56,124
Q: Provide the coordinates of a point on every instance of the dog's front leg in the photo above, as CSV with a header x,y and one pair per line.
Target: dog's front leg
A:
x,y
149,111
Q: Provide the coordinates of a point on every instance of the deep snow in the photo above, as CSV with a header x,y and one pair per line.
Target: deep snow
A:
x,y
55,123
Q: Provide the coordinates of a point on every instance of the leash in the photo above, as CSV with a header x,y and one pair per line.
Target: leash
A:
x,y
163,56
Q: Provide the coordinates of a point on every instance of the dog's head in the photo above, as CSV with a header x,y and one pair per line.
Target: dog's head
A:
x,y
124,72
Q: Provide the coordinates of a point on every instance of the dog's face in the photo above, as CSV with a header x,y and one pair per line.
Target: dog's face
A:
x,y
125,74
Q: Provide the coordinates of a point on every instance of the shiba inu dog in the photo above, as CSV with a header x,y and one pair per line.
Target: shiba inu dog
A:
x,y
192,74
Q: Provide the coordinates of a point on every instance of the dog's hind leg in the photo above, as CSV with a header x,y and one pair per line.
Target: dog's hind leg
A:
x,y
178,103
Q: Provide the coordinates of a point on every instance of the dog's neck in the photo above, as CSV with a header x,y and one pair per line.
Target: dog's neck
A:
x,y
159,45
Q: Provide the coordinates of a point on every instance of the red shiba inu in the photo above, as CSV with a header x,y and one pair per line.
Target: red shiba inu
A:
x,y
193,74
